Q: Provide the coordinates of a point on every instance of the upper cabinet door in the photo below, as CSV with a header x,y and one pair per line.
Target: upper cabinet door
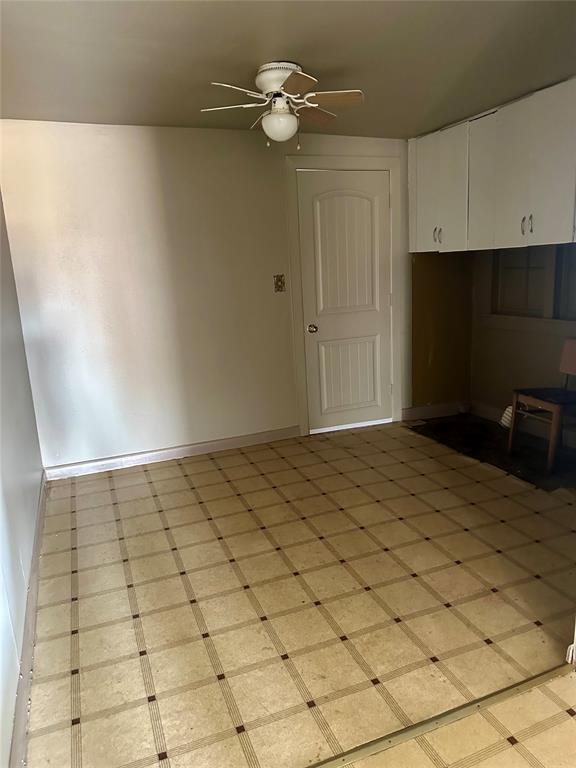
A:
x,y
452,181
552,162
427,160
439,190
511,192
482,182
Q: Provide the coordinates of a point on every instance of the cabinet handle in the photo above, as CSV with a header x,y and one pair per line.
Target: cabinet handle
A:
x,y
531,220
434,234
440,234
523,225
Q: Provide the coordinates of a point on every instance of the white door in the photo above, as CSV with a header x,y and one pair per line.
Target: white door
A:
x,y
552,165
344,219
452,188
482,183
513,177
427,168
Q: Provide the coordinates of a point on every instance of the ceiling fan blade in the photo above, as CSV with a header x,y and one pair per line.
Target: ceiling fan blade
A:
x,y
256,122
316,115
254,94
298,83
233,106
335,98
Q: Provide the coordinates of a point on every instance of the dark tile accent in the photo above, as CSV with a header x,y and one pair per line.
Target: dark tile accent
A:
x,y
124,559
317,602
571,712
232,560
367,589
375,681
263,618
538,623
343,638
205,634
193,601
397,619
447,605
499,551
220,538
75,721
135,615
74,632
151,699
162,756
512,739
493,589
537,576
342,561
182,573
174,549
458,562
296,573
386,549
434,659
128,586
488,641
142,653
414,575
73,599
246,586
74,571
240,729
220,676
320,538
284,656
311,704
427,538
74,671
278,549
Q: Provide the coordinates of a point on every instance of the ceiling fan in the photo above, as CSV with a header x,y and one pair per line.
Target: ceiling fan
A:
x,y
289,94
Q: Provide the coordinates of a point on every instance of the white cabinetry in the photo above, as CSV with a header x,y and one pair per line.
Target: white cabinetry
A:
x,y
504,180
482,182
439,190
535,180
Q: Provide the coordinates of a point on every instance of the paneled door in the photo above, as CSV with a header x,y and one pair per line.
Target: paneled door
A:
x,y
344,219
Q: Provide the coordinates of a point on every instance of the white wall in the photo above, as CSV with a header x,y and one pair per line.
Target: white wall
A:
x,y
20,477
144,260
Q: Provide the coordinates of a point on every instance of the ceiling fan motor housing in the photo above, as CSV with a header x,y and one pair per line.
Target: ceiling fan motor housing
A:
x,y
272,76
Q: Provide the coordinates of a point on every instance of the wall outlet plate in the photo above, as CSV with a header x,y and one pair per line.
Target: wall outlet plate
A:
x,y
279,283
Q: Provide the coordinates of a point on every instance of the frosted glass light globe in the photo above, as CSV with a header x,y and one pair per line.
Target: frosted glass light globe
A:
x,y
280,126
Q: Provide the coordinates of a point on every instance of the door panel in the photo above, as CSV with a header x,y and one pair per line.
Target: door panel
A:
x,y
344,219
427,165
349,374
452,190
552,163
482,183
345,252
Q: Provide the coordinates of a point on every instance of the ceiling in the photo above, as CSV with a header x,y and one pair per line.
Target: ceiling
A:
x,y
421,64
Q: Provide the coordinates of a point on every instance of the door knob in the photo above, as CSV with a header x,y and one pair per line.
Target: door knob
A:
x,y
312,328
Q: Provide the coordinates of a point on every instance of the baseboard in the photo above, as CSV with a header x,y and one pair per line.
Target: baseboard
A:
x,y
64,471
18,748
434,411
531,426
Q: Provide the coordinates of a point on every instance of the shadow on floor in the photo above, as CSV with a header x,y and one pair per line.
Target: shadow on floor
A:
x,y
487,441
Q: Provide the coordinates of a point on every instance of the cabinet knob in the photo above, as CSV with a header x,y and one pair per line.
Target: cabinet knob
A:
x,y
523,225
434,234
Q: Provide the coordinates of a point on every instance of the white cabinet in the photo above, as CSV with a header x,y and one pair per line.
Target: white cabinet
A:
x,y
535,186
482,182
552,165
439,190
504,180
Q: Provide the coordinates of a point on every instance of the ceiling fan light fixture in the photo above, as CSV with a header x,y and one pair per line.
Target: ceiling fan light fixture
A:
x,y
280,126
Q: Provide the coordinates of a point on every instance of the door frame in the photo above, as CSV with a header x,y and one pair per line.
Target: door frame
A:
x,y
400,332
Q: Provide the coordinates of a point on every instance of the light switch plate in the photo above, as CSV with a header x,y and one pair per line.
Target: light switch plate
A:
x,y
279,283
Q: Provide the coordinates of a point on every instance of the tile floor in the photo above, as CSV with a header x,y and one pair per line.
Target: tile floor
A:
x,y
276,605
536,729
